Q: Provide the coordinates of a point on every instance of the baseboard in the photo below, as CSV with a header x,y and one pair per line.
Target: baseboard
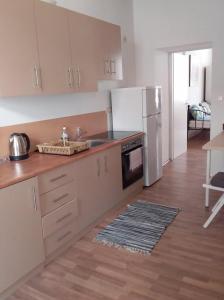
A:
x,y
12,289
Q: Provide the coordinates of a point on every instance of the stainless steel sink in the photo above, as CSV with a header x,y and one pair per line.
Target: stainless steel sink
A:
x,y
96,143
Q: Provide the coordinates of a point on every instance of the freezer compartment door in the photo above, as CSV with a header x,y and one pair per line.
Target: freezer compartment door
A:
x,y
127,109
151,101
153,150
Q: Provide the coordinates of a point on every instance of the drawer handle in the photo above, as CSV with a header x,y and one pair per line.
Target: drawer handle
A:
x,y
60,198
58,178
64,218
64,236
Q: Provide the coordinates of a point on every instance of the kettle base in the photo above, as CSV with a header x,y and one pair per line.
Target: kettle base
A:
x,y
17,158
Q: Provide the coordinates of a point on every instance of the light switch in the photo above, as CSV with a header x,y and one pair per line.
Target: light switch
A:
x,y
220,98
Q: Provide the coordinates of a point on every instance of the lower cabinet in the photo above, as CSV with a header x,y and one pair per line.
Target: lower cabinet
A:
x,y
110,177
59,207
21,242
100,184
59,238
40,216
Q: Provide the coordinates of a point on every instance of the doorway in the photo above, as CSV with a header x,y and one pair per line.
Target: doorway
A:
x,y
190,114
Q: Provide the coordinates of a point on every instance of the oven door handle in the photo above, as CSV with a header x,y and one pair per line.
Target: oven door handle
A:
x,y
127,154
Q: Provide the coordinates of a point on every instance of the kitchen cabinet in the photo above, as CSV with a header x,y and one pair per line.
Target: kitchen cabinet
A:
x,y
89,194
46,49
111,177
84,47
54,48
100,184
53,179
112,53
59,207
21,243
19,72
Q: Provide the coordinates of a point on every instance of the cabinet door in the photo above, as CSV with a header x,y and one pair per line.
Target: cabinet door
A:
x,y
84,47
115,52
18,49
21,243
111,49
99,179
111,177
54,48
89,189
102,52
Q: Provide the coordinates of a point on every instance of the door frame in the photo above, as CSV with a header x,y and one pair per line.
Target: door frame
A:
x,y
171,52
171,103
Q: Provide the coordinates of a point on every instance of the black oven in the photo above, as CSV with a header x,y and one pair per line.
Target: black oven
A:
x,y
132,161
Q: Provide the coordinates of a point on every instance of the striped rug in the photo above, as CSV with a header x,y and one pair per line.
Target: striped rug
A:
x,y
139,227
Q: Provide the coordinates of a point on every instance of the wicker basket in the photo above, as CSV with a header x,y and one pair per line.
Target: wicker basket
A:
x,y
58,148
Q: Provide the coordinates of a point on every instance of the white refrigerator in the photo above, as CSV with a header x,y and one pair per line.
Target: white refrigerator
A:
x,y
139,109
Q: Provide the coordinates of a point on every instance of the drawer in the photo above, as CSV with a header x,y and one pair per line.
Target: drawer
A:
x,y
59,238
56,198
59,218
52,180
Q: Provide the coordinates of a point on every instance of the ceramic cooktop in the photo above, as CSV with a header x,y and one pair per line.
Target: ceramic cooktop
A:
x,y
113,135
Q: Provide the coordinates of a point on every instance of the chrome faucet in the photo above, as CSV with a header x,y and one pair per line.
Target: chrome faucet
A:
x,y
79,133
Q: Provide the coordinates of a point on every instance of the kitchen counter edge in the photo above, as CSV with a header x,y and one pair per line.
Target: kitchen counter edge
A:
x,y
37,164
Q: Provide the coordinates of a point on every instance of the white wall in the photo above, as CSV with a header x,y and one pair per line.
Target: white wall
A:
x,y
28,109
162,26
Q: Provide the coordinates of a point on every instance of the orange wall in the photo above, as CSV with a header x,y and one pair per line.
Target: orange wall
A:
x,y
50,130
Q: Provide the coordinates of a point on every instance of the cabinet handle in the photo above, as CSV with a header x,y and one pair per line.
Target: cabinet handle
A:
x,y
34,198
107,67
34,77
58,178
37,76
79,77
98,167
60,198
64,218
70,77
105,164
64,236
113,67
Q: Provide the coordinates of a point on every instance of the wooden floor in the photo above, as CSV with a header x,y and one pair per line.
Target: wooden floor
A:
x,y
187,264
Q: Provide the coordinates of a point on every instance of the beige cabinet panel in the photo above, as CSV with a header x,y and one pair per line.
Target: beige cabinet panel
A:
x,y
111,51
100,184
55,178
84,47
45,49
58,197
115,52
21,242
89,189
60,217
54,48
19,71
111,177
60,238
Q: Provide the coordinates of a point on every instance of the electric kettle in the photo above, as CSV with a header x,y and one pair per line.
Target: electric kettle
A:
x,y
19,146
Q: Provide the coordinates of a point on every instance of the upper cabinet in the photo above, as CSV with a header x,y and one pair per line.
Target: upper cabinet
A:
x,y
84,47
19,71
54,48
46,49
112,54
